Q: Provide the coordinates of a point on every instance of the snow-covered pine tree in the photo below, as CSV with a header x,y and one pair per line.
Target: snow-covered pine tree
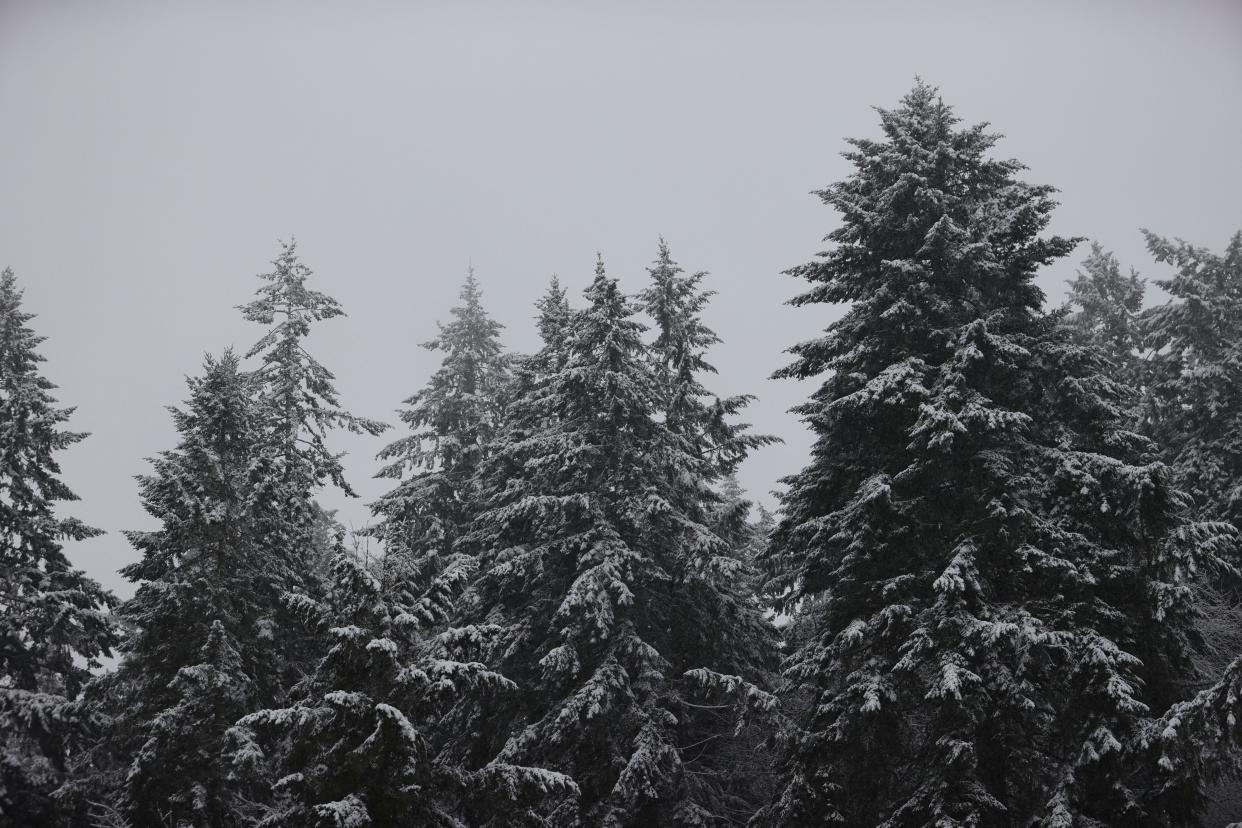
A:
x,y
600,583
298,392
54,623
1193,410
554,315
762,528
554,320
1194,401
1104,308
731,518
747,537
298,406
1000,584
452,421
675,301
206,566
353,749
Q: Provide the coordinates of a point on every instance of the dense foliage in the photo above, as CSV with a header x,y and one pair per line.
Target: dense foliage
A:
x,y
1003,573
54,625
1003,591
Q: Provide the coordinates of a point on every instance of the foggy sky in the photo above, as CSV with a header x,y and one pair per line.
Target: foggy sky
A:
x,y
152,154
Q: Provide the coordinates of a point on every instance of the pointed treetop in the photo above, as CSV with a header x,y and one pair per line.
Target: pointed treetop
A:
x,y
299,391
1108,304
17,340
471,328
554,311
286,293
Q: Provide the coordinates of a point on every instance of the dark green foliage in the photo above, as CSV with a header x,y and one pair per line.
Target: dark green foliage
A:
x,y
239,528
601,586
675,300
54,625
1194,402
1000,582
452,422
1107,315
201,618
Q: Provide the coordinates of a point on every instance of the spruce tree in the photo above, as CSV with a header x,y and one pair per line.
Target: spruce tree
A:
x,y
54,623
205,569
298,407
452,421
1194,403
1193,409
761,530
705,424
554,315
354,748
998,579
239,527
732,518
299,395
1107,316
675,301
601,587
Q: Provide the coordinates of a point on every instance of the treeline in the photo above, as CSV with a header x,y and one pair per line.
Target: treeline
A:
x,y
1002,592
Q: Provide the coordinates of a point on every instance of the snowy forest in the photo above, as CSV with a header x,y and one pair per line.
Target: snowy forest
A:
x,y
1002,590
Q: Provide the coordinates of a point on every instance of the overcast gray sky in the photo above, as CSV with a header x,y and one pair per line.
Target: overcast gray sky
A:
x,y
152,153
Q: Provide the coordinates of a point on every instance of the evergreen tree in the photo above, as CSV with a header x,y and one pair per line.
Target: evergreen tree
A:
x,y
54,623
762,528
206,567
300,399
1107,317
731,520
554,320
353,749
554,313
675,300
1193,409
1194,403
1000,582
601,587
239,527
452,422
298,406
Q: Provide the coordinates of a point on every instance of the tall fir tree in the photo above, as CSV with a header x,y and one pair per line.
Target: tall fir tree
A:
x,y
452,422
706,425
554,315
999,581
732,518
601,586
239,528
205,567
1104,308
1192,408
299,407
299,394
1194,402
54,623
675,301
